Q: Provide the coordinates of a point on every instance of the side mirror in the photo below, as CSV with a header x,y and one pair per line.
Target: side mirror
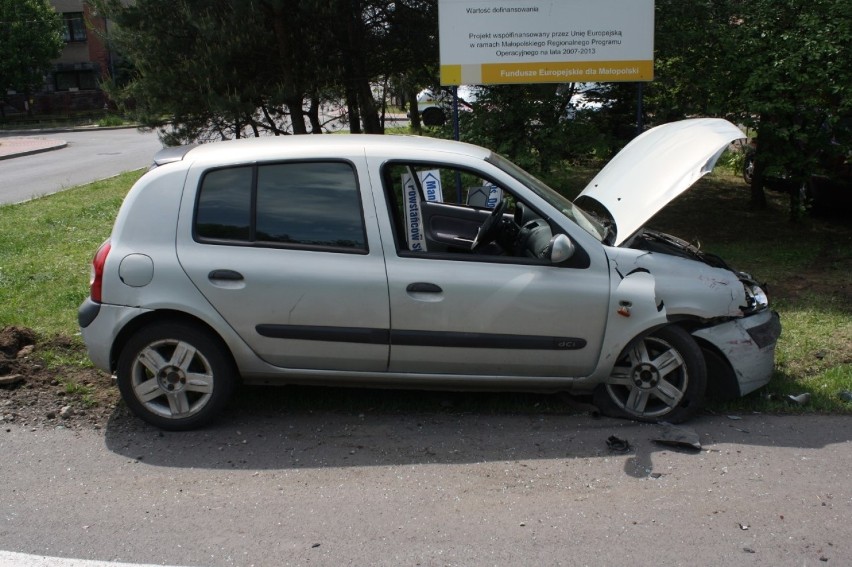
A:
x,y
561,248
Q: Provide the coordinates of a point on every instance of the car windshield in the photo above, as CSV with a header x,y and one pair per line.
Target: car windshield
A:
x,y
580,217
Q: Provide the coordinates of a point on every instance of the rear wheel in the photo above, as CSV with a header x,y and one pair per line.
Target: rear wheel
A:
x,y
175,376
658,377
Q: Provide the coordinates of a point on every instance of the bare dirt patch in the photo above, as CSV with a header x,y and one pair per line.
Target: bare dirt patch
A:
x,y
35,395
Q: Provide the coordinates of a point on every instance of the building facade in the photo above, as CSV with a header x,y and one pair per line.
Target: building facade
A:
x,y
73,84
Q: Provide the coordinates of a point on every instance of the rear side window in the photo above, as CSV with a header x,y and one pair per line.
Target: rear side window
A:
x,y
311,204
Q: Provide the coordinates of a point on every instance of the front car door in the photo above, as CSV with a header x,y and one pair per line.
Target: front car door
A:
x,y
494,312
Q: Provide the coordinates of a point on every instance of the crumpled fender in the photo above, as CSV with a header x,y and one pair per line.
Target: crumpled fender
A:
x,y
650,289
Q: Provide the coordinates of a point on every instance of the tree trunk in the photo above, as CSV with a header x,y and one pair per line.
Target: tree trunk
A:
x,y
758,196
289,67
271,124
356,70
352,110
369,112
413,112
297,115
313,115
253,123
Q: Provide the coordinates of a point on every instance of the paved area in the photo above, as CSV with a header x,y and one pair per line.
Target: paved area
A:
x,y
272,486
87,155
17,146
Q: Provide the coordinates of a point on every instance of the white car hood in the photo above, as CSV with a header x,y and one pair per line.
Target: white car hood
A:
x,y
656,167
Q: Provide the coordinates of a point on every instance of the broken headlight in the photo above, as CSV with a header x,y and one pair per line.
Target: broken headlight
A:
x,y
756,297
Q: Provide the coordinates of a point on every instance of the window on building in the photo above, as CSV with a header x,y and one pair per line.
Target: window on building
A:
x,y
82,80
74,27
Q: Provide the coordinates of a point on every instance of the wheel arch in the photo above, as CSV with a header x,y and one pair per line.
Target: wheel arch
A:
x,y
722,383
159,316
613,394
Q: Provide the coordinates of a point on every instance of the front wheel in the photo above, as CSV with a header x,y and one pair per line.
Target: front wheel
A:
x,y
175,376
658,377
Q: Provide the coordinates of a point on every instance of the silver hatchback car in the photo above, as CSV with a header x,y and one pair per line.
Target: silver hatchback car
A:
x,y
419,263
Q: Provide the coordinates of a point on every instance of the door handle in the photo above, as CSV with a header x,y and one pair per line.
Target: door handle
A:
x,y
423,287
226,275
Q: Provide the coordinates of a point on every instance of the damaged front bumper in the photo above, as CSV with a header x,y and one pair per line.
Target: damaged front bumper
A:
x,y
748,345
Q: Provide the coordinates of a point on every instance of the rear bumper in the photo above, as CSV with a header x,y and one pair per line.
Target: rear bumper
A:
x,y
87,312
100,325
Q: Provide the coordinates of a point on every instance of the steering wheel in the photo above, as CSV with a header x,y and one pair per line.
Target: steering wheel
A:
x,y
489,229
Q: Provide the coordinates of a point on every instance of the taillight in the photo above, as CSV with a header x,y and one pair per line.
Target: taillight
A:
x,y
97,280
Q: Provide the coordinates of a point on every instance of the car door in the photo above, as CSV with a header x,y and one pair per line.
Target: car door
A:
x,y
456,312
284,253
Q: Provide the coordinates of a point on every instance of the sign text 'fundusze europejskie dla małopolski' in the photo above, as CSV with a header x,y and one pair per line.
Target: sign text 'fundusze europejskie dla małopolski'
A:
x,y
546,41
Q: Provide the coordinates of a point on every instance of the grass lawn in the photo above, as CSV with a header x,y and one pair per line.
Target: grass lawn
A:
x,y
48,243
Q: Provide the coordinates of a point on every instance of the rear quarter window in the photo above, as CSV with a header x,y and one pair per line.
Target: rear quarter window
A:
x,y
224,205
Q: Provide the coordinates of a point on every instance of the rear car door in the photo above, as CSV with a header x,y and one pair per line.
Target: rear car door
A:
x,y
283,251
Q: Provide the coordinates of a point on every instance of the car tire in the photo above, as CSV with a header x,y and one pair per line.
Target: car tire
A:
x,y
433,116
175,376
657,377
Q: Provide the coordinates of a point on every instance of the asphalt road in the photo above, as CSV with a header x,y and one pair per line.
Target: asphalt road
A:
x,y
350,488
89,156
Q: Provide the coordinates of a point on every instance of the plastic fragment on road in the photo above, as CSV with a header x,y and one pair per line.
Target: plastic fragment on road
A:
x,y
679,437
801,399
11,379
617,445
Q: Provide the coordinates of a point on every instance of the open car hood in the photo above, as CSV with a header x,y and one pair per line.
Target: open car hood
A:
x,y
656,167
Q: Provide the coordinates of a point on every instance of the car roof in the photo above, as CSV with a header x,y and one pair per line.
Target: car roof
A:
x,y
277,147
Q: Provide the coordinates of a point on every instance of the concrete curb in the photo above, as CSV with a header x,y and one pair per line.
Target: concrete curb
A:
x,y
12,559
30,147
62,129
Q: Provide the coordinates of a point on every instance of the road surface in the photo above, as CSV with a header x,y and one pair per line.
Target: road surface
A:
x,y
89,156
363,488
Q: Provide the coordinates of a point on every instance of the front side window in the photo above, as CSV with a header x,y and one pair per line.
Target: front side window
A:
x,y
577,215
445,211
302,205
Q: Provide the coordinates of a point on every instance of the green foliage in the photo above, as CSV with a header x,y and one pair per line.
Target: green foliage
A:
x,y
798,82
44,278
732,161
781,66
537,126
221,69
111,120
190,69
30,37
696,60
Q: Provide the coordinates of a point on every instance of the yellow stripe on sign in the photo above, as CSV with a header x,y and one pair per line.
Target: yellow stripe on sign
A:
x,y
549,72
451,75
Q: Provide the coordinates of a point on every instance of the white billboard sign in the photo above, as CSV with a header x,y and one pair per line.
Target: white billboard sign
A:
x,y
545,41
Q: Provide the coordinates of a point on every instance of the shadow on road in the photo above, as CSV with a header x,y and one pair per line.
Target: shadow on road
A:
x,y
303,428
